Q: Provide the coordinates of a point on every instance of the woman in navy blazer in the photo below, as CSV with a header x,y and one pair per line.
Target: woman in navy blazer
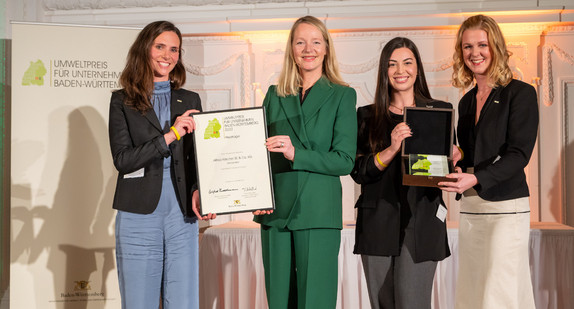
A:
x,y
156,196
400,233
497,129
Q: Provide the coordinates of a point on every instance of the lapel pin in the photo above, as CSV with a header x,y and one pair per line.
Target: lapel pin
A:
x,y
496,101
178,100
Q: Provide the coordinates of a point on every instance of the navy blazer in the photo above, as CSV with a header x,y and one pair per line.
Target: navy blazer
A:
x,y
499,146
137,142
386,205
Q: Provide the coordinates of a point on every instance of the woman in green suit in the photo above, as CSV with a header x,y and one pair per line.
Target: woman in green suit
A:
x,y
312,122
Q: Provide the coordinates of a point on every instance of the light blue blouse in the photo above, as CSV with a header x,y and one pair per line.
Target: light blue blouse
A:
x,y
161,99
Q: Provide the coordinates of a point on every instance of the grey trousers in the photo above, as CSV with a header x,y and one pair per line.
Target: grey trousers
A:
x,y
397,282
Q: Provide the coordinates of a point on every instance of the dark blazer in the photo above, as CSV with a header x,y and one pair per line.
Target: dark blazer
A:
x,y
385,205
137,142
323,130
500,145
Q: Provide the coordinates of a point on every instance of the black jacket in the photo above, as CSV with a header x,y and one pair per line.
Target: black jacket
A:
x,y
137,142
386,206
500,145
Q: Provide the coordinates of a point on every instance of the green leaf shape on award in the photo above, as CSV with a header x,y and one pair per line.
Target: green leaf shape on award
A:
x,y
421,166
212,130
35,74
428,165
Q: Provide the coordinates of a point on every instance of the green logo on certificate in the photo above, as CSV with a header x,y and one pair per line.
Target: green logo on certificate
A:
x,y
212,130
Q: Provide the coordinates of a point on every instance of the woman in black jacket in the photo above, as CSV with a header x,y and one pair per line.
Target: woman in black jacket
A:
x,y
156,193
398,234
497,129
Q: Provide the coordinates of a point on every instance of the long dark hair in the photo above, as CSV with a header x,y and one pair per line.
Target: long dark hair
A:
x,y
137,77
381,113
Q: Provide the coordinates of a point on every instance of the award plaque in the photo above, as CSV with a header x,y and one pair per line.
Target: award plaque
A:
x,y
427,154
233,165
428,165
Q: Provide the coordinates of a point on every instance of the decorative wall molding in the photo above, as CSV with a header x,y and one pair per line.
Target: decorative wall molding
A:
x,y
54,5
212,38
227,16
547,77
214,69
568,87
522,46
274,52
438,66
363,93
560,29
567,84
371,64
282,35
219,97
243,57
388,34
517,73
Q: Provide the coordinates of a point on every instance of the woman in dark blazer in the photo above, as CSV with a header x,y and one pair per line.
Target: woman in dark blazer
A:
x,y
149,126
400,232
312,123
497,129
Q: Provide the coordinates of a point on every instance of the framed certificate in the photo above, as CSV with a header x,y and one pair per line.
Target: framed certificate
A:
x,y
233,165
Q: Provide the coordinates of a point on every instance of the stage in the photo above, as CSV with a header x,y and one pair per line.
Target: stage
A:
x,y
231,268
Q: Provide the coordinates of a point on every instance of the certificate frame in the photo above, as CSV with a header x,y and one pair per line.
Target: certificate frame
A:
x,y
233,163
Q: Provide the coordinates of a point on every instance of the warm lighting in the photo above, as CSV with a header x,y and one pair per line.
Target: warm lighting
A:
x,y
266,20
523,16
514,13
242,34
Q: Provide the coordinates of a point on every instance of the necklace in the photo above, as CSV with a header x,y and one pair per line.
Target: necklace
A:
x,y
482,98
398,108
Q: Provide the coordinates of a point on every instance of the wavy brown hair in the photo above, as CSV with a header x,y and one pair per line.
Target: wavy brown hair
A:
x,y
137,77
499,72
381,113
290,79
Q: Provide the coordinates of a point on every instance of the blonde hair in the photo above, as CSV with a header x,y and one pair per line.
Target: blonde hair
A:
x,y
290,79
499,72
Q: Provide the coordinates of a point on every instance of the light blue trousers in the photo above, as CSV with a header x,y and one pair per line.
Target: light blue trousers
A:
x,y
157,257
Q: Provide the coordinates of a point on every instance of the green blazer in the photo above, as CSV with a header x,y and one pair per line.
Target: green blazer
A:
x,y
323,131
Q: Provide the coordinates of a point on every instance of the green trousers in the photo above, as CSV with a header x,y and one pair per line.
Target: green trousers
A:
x,y
301,267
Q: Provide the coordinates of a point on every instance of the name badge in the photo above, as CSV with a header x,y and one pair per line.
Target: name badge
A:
x,y
441,213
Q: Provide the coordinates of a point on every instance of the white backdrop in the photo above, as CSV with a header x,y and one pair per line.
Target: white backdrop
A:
x,y
62,176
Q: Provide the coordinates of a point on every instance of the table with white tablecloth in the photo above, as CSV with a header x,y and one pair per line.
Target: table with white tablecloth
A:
x,y
231,268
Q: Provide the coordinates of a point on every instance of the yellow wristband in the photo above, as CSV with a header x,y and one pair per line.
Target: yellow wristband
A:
x,y
461,152
379,160
174,130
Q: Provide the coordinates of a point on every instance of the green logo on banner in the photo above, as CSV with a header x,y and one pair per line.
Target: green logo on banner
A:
x,y
212,130
35,74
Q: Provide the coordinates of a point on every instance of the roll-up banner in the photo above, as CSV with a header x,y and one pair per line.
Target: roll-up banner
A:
x,y
62,175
